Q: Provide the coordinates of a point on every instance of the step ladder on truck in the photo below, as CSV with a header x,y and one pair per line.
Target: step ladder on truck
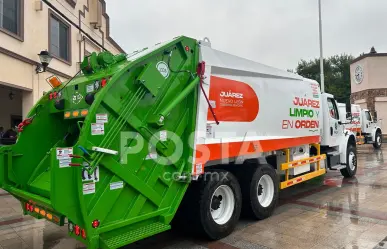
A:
x,y
365,125
177,132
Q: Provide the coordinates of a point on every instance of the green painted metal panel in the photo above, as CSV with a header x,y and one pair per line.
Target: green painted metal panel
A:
x,y
133,106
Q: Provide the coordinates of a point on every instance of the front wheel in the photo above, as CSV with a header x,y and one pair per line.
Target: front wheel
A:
x,y
351,165
378,140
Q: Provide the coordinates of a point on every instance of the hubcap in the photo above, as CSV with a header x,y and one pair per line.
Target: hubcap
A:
x,y
352,161
265,190
222,204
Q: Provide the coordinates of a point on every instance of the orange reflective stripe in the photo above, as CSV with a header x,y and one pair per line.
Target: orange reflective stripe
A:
x,y
210,152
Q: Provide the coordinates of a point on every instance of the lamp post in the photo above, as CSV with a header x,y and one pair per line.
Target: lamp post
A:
x,y
321,48
45,59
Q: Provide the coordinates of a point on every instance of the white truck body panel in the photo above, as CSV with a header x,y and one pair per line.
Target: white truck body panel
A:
x,y
271,109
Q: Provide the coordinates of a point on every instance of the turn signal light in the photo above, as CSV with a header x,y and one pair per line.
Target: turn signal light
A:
x,y
67,114
49,216
84,112
55,219
37,210
42,212
54,81
75,113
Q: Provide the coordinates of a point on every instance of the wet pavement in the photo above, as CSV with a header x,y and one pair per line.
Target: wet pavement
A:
x,y
330,212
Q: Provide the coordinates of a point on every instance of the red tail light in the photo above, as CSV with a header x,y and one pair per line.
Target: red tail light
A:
x,y
77,230
103,82
95,224
31,208
83,234
27,206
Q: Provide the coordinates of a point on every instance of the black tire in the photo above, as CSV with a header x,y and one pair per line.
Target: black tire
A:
x,y
347,171
202,209
378,137
251,205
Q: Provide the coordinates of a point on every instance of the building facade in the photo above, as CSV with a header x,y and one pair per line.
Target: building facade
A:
x,y
369,84
30,26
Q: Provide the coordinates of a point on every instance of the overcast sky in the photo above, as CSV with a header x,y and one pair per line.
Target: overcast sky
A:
x,y
274,32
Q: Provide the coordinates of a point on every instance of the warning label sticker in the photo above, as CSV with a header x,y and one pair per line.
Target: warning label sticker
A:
x,y
90,88
97,129
89,177
198,169
64,163
89,188
101,118
63,153
116,185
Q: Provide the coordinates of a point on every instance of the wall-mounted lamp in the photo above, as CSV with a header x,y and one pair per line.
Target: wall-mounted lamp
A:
x,y
45,59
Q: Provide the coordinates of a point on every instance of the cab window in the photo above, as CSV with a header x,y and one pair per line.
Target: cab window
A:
x,y
368,116
333,109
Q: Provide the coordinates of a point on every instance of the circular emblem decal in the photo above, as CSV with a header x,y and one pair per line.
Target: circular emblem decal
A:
x,y
162,67
77,97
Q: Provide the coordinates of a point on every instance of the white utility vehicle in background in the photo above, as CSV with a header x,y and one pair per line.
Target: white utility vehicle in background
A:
x,y
364,125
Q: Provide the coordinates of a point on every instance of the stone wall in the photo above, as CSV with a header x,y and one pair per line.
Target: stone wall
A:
x,y
369,95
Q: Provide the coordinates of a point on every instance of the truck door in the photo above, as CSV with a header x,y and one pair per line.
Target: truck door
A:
x,y
335,130
367,122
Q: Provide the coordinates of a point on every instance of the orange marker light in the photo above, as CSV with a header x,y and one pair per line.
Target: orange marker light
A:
x,y
56,219
49,216
67,114
84,112
37,210
42,212
54,81
75,113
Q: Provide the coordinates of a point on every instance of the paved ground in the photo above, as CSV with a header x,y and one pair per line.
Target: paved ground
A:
x,y
326,213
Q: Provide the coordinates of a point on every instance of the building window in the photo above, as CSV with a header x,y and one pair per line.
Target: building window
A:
x,y
11,17
59,37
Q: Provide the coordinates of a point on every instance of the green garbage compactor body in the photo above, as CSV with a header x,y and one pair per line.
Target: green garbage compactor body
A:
x,y
100,150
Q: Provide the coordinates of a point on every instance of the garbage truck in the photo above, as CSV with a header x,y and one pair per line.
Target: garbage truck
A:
x,y
134,142
364,125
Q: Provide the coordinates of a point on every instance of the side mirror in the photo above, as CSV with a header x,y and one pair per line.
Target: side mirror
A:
x,y
349,116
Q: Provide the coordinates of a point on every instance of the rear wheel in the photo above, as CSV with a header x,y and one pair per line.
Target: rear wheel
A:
x,y
220,202
351,165
260,192
378,140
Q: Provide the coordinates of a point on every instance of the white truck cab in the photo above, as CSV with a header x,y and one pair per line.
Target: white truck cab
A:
x,y
364,125
337,142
